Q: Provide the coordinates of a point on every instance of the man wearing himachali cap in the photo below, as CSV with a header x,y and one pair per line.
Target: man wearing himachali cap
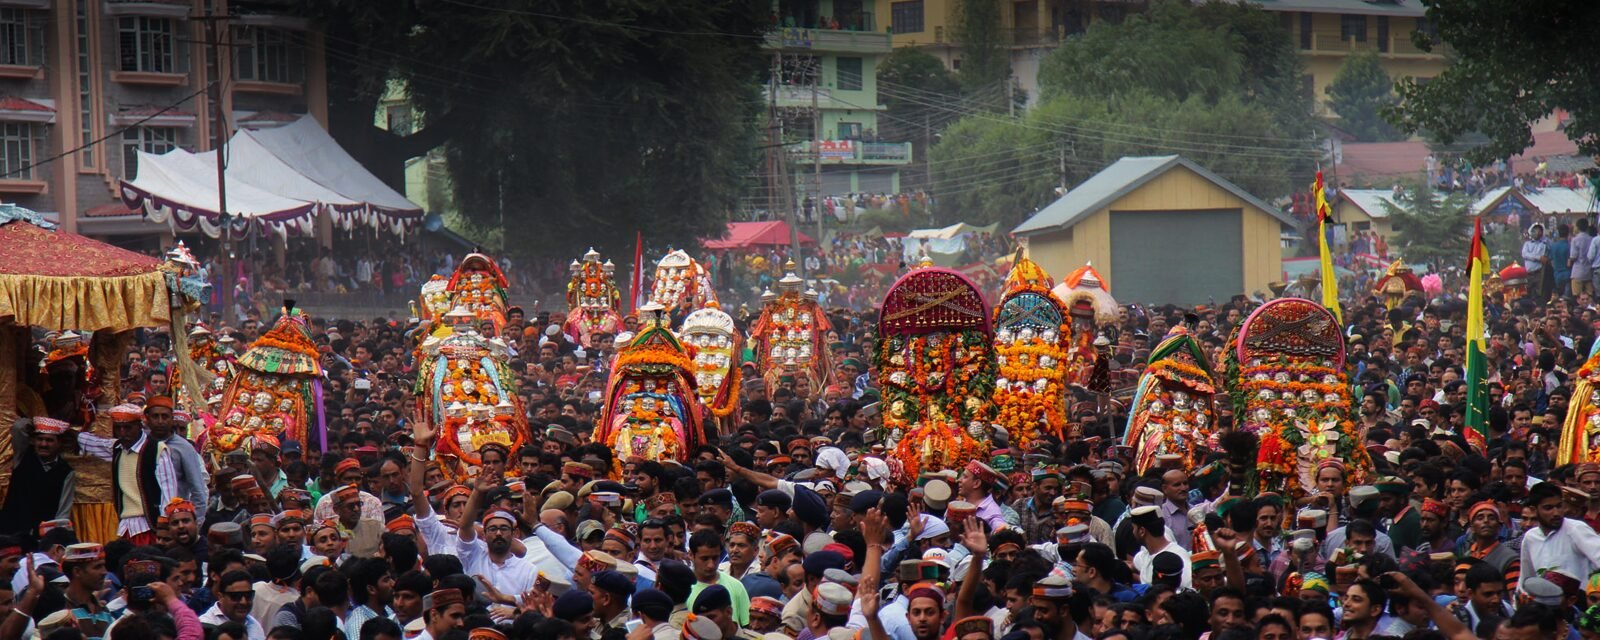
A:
x,y
38,464
143,477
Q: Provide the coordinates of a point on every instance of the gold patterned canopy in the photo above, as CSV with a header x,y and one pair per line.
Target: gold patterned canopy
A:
x,y
58,280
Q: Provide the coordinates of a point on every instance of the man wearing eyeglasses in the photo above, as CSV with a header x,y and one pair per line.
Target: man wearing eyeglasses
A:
x,y
236,595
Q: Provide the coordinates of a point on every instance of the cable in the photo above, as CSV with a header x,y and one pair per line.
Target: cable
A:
x,y
603,23
108,136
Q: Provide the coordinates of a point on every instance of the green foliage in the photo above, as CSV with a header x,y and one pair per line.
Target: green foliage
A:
x,y
572,120
1431,227
985,59
1216,83
915,77
1359,93
1167,53
991,169
1514,63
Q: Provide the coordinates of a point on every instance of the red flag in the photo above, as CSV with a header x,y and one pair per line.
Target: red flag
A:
x,y
636,282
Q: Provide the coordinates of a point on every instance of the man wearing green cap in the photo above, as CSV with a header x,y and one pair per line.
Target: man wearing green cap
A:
x,y
1404,523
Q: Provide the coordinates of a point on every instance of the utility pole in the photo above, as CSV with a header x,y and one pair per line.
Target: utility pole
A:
x,y
780,155
816,158
214,42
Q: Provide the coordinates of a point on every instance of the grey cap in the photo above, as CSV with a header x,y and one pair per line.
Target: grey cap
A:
x,y
1542,591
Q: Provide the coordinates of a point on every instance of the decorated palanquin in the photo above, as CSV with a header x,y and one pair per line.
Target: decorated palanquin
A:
x,y
717,345
480,287
936,368
1397,284
681,284
593,300
1087,298
465,383
1514,282
1286,379
67,363
651,409
1030,344
1172,412
1580,433
208,355
434,299
276,389
791,334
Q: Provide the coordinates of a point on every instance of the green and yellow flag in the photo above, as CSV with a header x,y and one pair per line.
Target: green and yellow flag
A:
x,y
1477,374
1330,279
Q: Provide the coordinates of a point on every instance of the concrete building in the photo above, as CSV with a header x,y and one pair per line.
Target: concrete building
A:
x,y
826,55
1163,230
1030,28
1328,31
85,83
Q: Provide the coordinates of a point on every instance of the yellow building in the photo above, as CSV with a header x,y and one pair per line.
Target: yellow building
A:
x,y
1328,31
1163,230
1365,210
1031,28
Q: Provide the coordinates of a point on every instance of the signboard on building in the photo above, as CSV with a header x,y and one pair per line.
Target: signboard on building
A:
x,y
837,150
796,38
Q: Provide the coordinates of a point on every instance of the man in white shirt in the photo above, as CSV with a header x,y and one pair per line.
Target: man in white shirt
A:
x,y
490,556
1559,543
1534,254
233,605
1150,530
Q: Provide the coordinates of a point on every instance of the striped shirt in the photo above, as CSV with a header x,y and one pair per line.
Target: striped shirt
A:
x,y
166,474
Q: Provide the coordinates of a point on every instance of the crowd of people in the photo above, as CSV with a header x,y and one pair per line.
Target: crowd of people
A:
x,y
790,524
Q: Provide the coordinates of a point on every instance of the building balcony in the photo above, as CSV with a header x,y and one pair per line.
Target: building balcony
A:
x,y
1395,46
836,152
828,40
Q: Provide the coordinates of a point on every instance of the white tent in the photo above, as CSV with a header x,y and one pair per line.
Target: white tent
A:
x,y
278,180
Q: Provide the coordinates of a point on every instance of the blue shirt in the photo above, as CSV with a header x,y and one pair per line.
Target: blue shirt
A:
x,y
1559,252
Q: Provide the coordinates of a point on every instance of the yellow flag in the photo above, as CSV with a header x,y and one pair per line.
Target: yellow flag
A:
x,y
1330,280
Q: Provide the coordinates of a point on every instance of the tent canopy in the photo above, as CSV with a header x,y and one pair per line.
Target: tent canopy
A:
x,y
278,180
58,280
741,235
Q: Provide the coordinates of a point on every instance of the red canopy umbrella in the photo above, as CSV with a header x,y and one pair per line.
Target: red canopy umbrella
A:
x,y
742,235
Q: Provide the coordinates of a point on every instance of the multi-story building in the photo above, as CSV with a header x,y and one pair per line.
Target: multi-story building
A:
x,y
86,83
1328,31
1029,28
824,90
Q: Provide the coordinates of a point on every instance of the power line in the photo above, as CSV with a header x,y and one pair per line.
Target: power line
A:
x,y
603,23
108,136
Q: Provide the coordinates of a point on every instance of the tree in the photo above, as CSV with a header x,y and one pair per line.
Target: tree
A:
x,y
1359,93
1431,228
911,78
1514,63
1173,80
561,120
992,169
985,58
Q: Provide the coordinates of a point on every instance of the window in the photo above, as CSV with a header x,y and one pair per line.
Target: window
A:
x,y
21,40
267,55
147,44
398,118
849,74
85,87
849,131
1383,34
1305,31
20,144
147,139
905,17
1353,28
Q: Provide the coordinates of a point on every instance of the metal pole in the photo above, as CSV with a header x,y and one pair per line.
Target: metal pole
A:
x,y
791,199
816,160
213,40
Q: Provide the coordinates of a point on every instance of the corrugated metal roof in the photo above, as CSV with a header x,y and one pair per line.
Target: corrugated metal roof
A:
x,y
1120,179
1371,201
1412,8
1548,200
